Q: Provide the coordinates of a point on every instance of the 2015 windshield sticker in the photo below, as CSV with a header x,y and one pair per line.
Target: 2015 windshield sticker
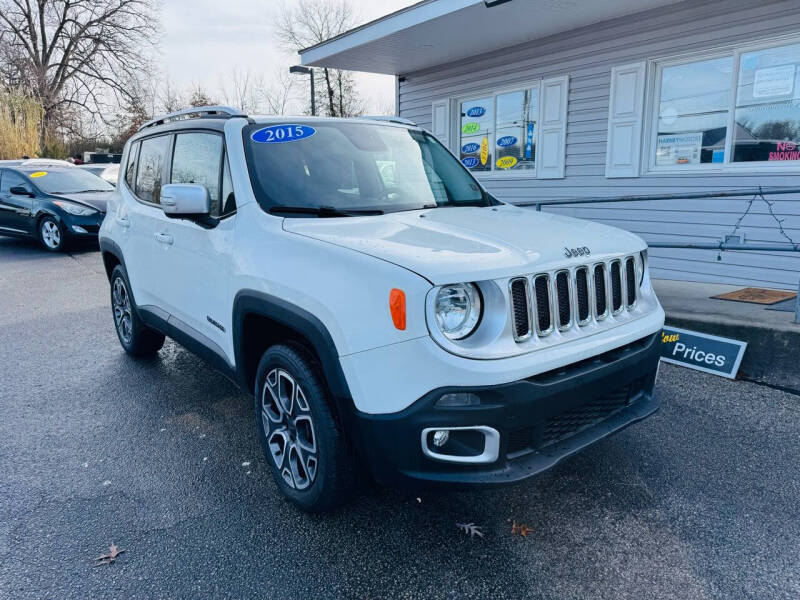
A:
x,y
470,161
476,111
470,148
38,174
279,134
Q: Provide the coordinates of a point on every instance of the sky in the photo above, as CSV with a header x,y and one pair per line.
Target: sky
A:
x,y
203,40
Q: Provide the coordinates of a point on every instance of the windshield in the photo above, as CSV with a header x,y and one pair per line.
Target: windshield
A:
x,y
355,167
68,181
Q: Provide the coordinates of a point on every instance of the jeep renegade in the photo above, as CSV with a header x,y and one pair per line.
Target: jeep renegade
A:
x,y
387,314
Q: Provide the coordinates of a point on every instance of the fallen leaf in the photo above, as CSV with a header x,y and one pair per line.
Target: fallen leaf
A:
x,y
521,529
106,559
470,529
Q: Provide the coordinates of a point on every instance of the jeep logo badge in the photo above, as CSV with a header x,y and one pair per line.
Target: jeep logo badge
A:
x,y
575,252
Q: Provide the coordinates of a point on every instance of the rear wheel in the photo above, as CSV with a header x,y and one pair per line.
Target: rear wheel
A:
x,y
50,234
136,338
302,441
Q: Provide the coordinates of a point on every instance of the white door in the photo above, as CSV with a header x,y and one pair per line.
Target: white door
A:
x,y
197,257
140,218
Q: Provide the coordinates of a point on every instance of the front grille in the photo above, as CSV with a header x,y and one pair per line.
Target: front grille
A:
x,y
520,309
600,299
616,287
630,280
562,295
582,293
544,324
580,296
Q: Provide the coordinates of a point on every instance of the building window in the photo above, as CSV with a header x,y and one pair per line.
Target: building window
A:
x,y
767,124
730,110
497,132
693,112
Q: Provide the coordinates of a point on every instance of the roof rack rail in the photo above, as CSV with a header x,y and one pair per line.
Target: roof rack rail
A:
x,y
195,112
390,119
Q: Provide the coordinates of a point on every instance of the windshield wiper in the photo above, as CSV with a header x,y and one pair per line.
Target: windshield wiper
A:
x,y
322,211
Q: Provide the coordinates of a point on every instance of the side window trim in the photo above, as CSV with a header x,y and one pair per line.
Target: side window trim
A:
x,y
223,160
225,166
164,171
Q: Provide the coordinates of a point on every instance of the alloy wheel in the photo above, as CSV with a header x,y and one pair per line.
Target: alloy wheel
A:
x,y
122,309
289,429
51,234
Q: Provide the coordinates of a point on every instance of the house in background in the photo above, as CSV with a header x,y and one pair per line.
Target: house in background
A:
x,y
577,98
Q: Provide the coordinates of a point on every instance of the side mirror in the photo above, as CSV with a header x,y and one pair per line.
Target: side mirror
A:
x,y
185,200
20,190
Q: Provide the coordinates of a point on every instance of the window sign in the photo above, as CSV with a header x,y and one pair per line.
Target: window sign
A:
x,y
498,133
679,149
767,124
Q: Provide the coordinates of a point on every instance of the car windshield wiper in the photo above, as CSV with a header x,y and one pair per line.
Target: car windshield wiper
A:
x,y
86,191
322,211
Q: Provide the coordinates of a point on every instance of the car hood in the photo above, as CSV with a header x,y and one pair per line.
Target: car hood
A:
x,y
447,245
97,200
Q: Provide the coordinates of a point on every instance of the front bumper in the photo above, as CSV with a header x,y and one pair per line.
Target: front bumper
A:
x,y
78,227
541,419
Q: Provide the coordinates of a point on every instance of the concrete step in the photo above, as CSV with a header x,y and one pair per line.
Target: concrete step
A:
x,y
773,338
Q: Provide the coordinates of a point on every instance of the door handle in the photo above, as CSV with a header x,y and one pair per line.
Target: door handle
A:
x,y
123,222
164,238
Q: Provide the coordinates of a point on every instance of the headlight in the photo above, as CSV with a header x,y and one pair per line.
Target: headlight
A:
x,y
458,309
643,255
74,208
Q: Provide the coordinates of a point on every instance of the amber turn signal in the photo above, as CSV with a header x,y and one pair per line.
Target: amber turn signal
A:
x,y
397,306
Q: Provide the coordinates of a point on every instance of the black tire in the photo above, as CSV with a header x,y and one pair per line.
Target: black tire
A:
x,y
51,234
331,481
136,338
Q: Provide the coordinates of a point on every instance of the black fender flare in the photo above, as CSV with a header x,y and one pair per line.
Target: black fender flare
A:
x,y
304,323
109,246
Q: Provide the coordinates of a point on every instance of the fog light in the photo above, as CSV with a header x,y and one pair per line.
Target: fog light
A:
x,y
440,438
459,399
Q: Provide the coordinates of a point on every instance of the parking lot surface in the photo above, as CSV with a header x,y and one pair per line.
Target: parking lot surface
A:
x,y
161,458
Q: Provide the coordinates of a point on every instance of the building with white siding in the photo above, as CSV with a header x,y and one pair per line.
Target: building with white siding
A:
x,y
572,98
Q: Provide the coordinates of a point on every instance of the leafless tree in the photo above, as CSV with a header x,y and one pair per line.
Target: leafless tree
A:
x,y
170,98
241,89
280,93
310,22
76,54
200,97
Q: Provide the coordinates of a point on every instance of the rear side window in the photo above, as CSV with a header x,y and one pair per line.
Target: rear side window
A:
x,y
197,158
150,172
130,167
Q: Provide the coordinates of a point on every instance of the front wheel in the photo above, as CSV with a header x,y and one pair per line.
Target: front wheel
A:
x,y
50,234
299,434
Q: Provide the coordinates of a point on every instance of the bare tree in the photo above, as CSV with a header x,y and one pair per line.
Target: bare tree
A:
x,y
311,22
241,89
170,99
199,97
75,53
280,92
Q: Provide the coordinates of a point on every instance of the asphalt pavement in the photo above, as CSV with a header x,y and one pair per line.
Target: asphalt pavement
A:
x,y
161,458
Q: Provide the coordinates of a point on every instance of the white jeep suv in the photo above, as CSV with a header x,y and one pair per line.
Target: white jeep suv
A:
x,y
389,316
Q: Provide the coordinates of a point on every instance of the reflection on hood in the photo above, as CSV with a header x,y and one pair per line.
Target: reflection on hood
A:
x,y
97,200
